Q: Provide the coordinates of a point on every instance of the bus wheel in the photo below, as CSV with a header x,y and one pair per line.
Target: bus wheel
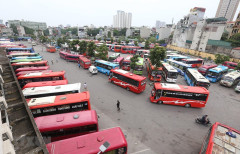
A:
x,y
127,89
160,102
187,105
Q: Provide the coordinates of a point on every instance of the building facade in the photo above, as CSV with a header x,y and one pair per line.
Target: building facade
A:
x,y
145,32
236,26
82,32
122,20
30,24
21,30
160,24
227,9
164,32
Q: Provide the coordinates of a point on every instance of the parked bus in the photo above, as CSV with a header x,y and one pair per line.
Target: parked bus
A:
x,y
153,74
169,73
119,61
180,66
173,94
62,126
28,72
50,105
129,49
215,74
139,66
114,56
219,141
230,79
117,48
35,92
197,62
36,77
40,68
204,68
170,56
69,57
30,50
130,81
172,52
26,57
178,58
29,64
126,63
194,78
45,83
84,62
51,49
20,54
25,60
230,65
105,66
92,142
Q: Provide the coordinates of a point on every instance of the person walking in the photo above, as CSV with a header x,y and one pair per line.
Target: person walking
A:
x,y
85,86
52,61
118,105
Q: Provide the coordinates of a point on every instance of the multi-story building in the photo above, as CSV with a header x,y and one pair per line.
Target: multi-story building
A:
x,y
160,24
82,33
236,26
145,32
122,20
229,27
164,32
227,9
29,24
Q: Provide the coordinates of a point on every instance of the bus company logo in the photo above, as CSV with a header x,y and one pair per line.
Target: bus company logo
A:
x,y
181,102
123,84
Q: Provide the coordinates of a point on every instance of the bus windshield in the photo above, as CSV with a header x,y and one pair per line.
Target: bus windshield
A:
x,y
156,72
173,75
139,67
212,74
228,79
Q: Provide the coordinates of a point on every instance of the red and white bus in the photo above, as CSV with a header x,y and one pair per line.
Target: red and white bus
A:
x,y
29,64
126,63
221,139
28,72
69,57
51,49
130,81
50,105
40,68
153,74
194,62
37,77
45,83
204,68
117,48
90,143
119,61
62,126
230,65
129,49
173,94
84,62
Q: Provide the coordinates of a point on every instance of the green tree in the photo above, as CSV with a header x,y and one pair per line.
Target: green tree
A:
x,y
93,32
119,41
152,39
235,40
43,39
109,34
111,40
99,39
224,36
83,47
28,31
73,44
91,47
105,38
238,66
127,41
147,45
133,62
161,42
136,43
219,59
14,28
102,52
156,55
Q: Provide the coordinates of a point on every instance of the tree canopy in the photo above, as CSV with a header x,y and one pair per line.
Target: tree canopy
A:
x,y
102,52
156,55
147,45
235,40
83,47
133,62
219,59
91,47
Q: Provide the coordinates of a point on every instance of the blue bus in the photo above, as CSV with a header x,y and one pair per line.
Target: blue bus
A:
x,y
27,57
179,58
180,66
215,74
105,66
20,50
195,78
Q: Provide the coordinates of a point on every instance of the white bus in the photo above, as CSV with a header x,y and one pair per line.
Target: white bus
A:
x,y
170,74
44,91
230,79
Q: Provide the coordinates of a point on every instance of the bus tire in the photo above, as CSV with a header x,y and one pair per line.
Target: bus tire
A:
x,y
187,105
128,89
160,102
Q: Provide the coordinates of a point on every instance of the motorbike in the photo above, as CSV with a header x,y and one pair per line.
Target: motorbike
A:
x,y
199,121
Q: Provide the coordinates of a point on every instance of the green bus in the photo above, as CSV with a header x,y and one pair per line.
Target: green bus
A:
x,y
139,66
25,60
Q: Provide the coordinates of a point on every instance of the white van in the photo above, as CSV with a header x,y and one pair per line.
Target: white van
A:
x,y
92,69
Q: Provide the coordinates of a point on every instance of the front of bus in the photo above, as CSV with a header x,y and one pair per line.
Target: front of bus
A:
x,y
126,65
212,75
156,75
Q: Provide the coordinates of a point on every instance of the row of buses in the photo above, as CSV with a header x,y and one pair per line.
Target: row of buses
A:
x,y
62,112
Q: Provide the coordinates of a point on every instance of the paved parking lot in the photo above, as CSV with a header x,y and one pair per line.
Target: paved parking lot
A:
x,y
151,128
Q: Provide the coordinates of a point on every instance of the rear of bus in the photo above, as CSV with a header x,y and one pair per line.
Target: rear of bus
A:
x,y
84,62
119,61
126,63
230,65
195,63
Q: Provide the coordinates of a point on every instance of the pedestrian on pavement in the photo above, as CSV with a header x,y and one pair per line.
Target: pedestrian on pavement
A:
x,y
79,65
118,105
85,86
52,61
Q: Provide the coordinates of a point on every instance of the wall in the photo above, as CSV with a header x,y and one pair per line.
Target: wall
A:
x,y
164,33
236,53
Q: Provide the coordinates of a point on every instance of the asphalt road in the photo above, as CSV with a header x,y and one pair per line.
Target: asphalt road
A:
x,y
151,128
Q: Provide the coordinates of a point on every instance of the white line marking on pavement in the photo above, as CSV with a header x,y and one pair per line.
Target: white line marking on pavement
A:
x,y
140,151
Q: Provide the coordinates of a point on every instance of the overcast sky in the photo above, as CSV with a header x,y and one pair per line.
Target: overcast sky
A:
x,y
100,12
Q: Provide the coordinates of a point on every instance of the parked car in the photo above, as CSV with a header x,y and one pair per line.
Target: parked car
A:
x,y
237,89
92,69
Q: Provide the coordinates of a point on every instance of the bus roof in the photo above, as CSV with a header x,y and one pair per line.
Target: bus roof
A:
x,y
219,68
208,66
90,143
40,74
28,63
234,74
229,62
107,63
32,68
192,59
46,83
14,49
22,53
85,59
66,120
197,75
118,59
128,58
140,61
129,75
41,102
70,54
179,63
35,71
222,142
25,60
169,67
51,89
181,88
